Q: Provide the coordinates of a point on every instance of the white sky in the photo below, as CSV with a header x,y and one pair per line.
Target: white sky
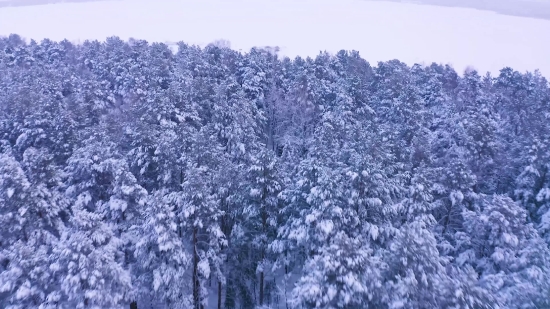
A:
x,y
379,30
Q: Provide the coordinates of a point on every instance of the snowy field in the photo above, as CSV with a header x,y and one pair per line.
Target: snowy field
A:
x,y
380,30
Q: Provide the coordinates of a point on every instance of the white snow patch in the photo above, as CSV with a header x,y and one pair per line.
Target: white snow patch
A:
x,y
10,192
117,204
374,232
204,268
456,197
255,192
326,226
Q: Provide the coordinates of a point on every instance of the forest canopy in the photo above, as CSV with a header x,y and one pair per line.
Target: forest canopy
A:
x,y
210,178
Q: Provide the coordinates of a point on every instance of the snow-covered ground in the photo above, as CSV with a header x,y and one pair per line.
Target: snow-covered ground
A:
x,y
380,30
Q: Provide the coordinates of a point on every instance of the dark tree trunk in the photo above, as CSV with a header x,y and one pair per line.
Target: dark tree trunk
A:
x,y
229,294
264,228
286,299
133,305
219,295
196,297
261,288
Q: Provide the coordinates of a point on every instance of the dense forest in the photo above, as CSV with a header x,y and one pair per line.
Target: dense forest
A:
x,y
209,178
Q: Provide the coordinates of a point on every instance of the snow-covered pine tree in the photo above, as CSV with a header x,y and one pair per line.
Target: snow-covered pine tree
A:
x,y
260,219
105,202
163,254
505,249
30,215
